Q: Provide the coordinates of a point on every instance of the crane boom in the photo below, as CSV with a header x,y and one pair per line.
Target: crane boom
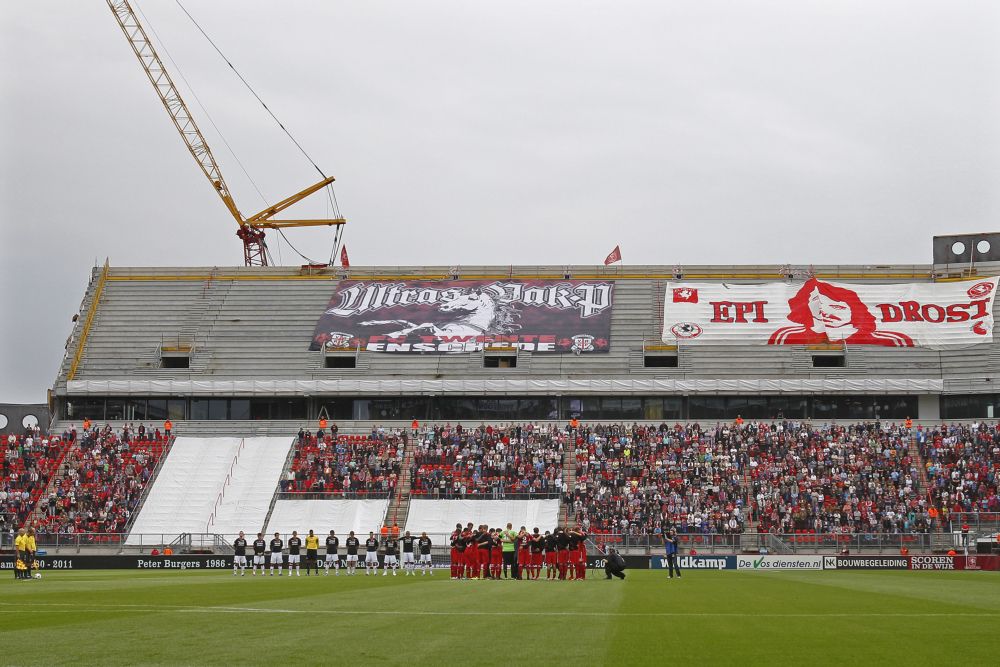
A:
x,y
250,230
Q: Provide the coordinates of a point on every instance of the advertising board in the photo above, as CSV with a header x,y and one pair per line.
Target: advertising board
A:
x,y
779,563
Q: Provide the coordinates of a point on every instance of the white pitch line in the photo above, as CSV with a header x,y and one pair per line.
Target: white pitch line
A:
x,y
40,608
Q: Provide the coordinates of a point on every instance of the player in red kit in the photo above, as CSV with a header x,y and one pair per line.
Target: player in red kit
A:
x,y
470,535
551,559
523,554
496,554
572,553
562,551
536,546
581,561
455,564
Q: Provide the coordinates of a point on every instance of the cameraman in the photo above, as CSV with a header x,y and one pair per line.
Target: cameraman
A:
x,y
615,565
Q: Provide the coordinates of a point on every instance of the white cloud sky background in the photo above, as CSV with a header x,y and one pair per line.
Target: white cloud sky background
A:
x,y
466,132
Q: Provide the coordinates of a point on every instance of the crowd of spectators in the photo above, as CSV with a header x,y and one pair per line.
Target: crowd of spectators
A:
x,y
854,478
362,465
782,477
101,480
27,465
962,462
640,479
488,461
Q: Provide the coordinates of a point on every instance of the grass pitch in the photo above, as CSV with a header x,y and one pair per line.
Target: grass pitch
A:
x,y
708,617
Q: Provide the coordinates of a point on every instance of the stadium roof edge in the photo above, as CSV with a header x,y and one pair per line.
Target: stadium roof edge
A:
x,y
767,272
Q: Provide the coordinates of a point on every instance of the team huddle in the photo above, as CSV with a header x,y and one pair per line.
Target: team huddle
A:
x,y
270,555
488,553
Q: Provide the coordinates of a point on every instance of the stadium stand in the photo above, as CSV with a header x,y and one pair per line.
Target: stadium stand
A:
x,y
635,480
793,478
857,478
99,482
355,465
962,462
488,461
27,465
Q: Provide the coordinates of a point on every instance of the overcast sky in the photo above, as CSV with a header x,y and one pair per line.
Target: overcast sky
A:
x,y
468,132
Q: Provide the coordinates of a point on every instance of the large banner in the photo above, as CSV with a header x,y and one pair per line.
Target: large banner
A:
x,y
467,316
934,315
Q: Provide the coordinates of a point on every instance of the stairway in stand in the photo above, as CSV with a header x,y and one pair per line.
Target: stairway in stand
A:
x,y
40,496
923,480
399,505
569,481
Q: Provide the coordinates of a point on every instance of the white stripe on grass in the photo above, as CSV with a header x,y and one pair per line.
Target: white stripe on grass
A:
x,y
66,607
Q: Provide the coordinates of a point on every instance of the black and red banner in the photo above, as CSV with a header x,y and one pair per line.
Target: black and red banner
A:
x,y
467,315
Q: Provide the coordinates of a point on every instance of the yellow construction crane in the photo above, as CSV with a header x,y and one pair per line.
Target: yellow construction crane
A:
x,y
251,229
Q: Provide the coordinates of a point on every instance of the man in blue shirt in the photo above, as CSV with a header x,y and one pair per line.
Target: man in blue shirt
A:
x,y
670,543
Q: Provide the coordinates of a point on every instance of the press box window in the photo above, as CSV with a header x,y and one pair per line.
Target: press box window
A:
x,y
829,361
175,361
340,361
660,361
500,361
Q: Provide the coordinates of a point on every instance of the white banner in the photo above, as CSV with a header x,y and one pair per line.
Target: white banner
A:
x,y
934,315
779,563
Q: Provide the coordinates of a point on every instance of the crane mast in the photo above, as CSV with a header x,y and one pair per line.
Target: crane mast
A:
x,y
250,230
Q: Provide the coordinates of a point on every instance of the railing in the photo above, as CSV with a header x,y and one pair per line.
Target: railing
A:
x,y
334,495
488,494
978,522
225,484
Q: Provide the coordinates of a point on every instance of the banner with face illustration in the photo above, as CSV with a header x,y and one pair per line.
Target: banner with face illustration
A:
x,y
933,315
569,316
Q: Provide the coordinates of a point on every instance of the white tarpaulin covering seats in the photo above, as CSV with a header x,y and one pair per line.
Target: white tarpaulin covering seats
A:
x,y
184,495
323,516
440,516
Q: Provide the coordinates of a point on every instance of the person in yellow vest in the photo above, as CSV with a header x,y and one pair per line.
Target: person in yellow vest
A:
x,y
312,552
29,548
19,556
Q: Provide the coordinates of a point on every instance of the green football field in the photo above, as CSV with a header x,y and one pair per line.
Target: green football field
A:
x,y
708,617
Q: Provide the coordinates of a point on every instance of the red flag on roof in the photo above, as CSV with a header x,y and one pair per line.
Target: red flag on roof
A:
x,y
344,261
615,256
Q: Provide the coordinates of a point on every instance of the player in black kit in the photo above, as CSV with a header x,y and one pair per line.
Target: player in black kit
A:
x,y
409,562
277,544
371,555
259,548
294,553
352,544
424,544
391,546
332,558
240,555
